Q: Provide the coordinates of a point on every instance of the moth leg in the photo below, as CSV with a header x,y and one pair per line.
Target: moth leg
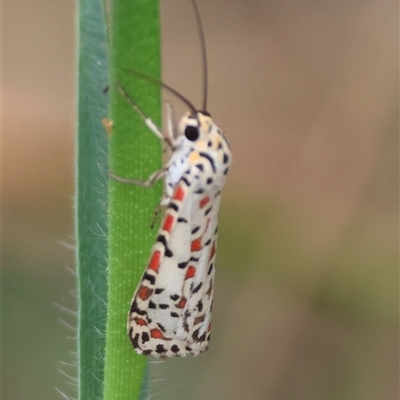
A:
x,y
157,212
147,120
149,182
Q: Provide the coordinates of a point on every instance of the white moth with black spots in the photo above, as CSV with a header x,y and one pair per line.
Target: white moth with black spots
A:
x,y
170,313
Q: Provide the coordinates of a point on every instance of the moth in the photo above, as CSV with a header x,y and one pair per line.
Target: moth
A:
x,y
170,313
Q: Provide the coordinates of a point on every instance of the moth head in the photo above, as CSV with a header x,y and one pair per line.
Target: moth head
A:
x,y
196,126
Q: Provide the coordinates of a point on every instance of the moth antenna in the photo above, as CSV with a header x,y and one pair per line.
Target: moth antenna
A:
x,y
165,86
203,53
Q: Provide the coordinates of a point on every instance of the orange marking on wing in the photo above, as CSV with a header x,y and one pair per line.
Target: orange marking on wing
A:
x,y
182,303
179,194
197,320
168,221
154,263
196,245
145,292
190,273
157,334
204,201
212,252
141,321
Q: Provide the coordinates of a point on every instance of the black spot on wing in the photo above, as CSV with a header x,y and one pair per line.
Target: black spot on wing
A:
x,y
135,339
200,167
136,309
195,229
183,265
163,306
161,327
208,211
208,242
152,305
174,297
226,158
150,278
184,179
199,191
163,240
145,337
174,315
184,220
158,291
160,349
173,206
196,336
210,268
197,288
175,348
209,181
209,158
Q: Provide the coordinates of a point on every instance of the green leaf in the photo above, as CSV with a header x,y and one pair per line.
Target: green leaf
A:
x,y
134,153
91,197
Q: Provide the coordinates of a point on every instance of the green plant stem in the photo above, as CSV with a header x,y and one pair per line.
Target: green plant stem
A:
x,y
134,153
91,197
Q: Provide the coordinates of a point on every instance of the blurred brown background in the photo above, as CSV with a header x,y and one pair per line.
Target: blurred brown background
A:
x,y
306,300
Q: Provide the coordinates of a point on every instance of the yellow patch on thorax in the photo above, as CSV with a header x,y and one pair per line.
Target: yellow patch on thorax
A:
x,y
194,157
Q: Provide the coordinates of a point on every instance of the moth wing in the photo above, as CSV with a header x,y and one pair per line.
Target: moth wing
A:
x,y
174,263
195,324
159,302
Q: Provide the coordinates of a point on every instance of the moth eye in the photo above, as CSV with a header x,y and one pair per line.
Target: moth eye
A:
x,y
191,133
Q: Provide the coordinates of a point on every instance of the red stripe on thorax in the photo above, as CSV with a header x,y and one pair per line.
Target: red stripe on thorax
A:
x,y
179,194
154,263
168,222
